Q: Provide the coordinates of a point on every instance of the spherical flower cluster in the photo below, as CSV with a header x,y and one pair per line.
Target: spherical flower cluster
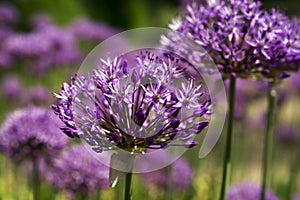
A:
x,y
134,105
242,39
31,133
248,191
159,179
76,171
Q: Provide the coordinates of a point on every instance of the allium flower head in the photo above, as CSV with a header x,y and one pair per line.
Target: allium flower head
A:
x,y
248,191
137,105
240,37
76,171
31,133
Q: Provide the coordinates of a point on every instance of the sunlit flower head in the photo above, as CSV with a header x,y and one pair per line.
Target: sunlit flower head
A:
x,y
138,105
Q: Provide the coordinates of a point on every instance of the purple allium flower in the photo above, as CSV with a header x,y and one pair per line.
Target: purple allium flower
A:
x,y
31,133
76,171
240,37
89,30
8,14
248,191
45,47
181,176
133,110
11,88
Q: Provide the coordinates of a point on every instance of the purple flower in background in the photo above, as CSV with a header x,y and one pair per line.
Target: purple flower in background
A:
x,y
11,88
8,15
31,133
41,22
294,82
248,191
46,46
39,94
76,171
297,197
287,134
6,59
181,176
240,37
134,107
89,30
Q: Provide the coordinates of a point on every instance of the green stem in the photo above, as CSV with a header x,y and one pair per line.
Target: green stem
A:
x,y
268,139
36,180
169,193
128,188
227,156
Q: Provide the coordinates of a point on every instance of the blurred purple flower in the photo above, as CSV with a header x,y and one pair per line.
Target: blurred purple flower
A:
x,y
295,82
39,94
240,37
181,176
76,171
287,134
31,133
44,48
11,88
6,60
248,191
8,14
88,30
134,110
297,197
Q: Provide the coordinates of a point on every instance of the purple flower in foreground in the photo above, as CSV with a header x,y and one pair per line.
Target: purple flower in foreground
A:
x,y
31,133
240,37
181,176
247,191
133,110
76,171
11,88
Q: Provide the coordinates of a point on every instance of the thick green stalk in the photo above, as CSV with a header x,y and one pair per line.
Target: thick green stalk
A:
x,y
128,187
268,143
228,147
36,180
